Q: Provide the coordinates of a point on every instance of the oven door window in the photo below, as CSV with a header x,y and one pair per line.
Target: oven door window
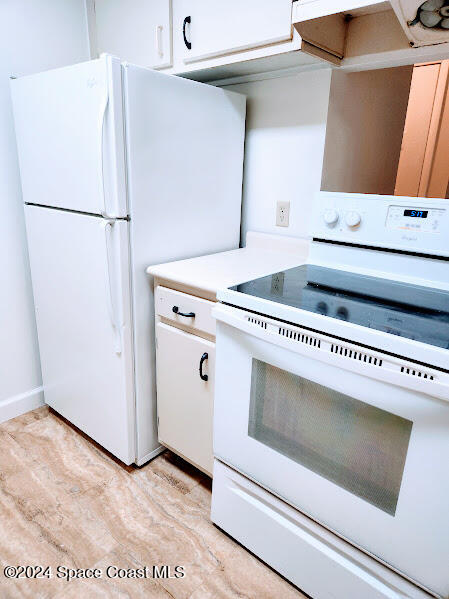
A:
x,y
357,446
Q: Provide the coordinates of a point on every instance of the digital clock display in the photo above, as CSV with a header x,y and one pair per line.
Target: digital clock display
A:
x,y
416,213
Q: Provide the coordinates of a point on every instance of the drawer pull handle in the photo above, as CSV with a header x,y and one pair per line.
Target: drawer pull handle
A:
x,y
204,377
186,41
186,314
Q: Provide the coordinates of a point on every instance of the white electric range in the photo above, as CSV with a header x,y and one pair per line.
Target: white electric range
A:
x,y
331,418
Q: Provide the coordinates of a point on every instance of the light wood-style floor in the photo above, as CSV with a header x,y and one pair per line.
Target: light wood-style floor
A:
x,y
65,502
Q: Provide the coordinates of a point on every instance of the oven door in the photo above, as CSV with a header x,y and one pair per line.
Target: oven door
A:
x,y
342,433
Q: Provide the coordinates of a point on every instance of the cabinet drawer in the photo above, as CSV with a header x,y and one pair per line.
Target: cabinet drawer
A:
x,y
184,309
185,399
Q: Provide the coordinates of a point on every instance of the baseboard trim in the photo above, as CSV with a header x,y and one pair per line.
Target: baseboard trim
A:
x,y
20,404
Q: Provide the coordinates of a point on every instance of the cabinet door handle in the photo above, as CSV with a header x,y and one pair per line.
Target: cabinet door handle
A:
x,y
175,309
186,41
160,50
204,357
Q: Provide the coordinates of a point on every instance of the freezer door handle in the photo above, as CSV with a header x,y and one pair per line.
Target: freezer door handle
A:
x,y
104,106
112,303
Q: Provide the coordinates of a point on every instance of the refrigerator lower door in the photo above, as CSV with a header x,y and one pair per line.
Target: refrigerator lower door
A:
x,y
69,130
80,275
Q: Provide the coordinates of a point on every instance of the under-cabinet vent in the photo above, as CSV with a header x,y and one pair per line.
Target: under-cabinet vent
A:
x,y
301,337
355,355
419,373
259,323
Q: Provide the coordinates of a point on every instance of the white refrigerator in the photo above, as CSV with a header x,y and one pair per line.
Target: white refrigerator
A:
x,y
121,167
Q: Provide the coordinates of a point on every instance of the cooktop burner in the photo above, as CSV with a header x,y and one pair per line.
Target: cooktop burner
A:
x,y
403,309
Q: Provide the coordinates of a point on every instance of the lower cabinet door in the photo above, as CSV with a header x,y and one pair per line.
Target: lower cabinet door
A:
x,y
185,394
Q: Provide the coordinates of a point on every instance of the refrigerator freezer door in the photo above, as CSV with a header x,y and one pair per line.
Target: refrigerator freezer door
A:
x,y
185,145
69,132
80,275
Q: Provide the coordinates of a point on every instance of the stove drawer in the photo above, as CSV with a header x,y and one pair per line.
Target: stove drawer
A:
x,y
186,311
307,554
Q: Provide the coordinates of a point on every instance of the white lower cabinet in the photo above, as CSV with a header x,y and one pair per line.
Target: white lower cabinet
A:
x,y
185,394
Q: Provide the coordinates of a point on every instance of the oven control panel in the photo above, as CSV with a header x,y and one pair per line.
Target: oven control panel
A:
x,y
415,218
419,225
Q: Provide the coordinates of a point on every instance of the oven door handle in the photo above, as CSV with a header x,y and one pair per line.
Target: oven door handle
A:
x,y
383,367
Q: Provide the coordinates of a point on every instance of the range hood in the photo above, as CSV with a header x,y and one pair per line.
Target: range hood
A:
x,y
424,23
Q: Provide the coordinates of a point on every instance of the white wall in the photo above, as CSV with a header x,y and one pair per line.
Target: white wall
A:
x,y
285,135
364,130
35,35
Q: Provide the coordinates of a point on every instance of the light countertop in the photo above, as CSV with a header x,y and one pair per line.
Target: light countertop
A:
x,y
263,255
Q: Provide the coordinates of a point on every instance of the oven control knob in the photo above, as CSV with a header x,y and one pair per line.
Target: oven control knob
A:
x,y
352,218
322,308
330,217
342,313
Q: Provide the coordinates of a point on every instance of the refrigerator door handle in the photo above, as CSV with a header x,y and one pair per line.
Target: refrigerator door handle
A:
x,y
103,109
112,304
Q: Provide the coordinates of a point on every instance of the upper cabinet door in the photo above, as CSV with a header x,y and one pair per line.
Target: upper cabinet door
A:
x,y
212,27
69,131
138,31
304,10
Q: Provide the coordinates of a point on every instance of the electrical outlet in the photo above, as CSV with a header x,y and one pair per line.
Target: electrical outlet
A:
x,y
277,284
282,214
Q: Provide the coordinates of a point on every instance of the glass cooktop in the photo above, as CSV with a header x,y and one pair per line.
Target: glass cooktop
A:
x,y
402,309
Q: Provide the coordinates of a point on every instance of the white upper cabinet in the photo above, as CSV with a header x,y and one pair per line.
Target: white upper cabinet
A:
x,y
313,9
207,39
138,31
211,28
218,40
